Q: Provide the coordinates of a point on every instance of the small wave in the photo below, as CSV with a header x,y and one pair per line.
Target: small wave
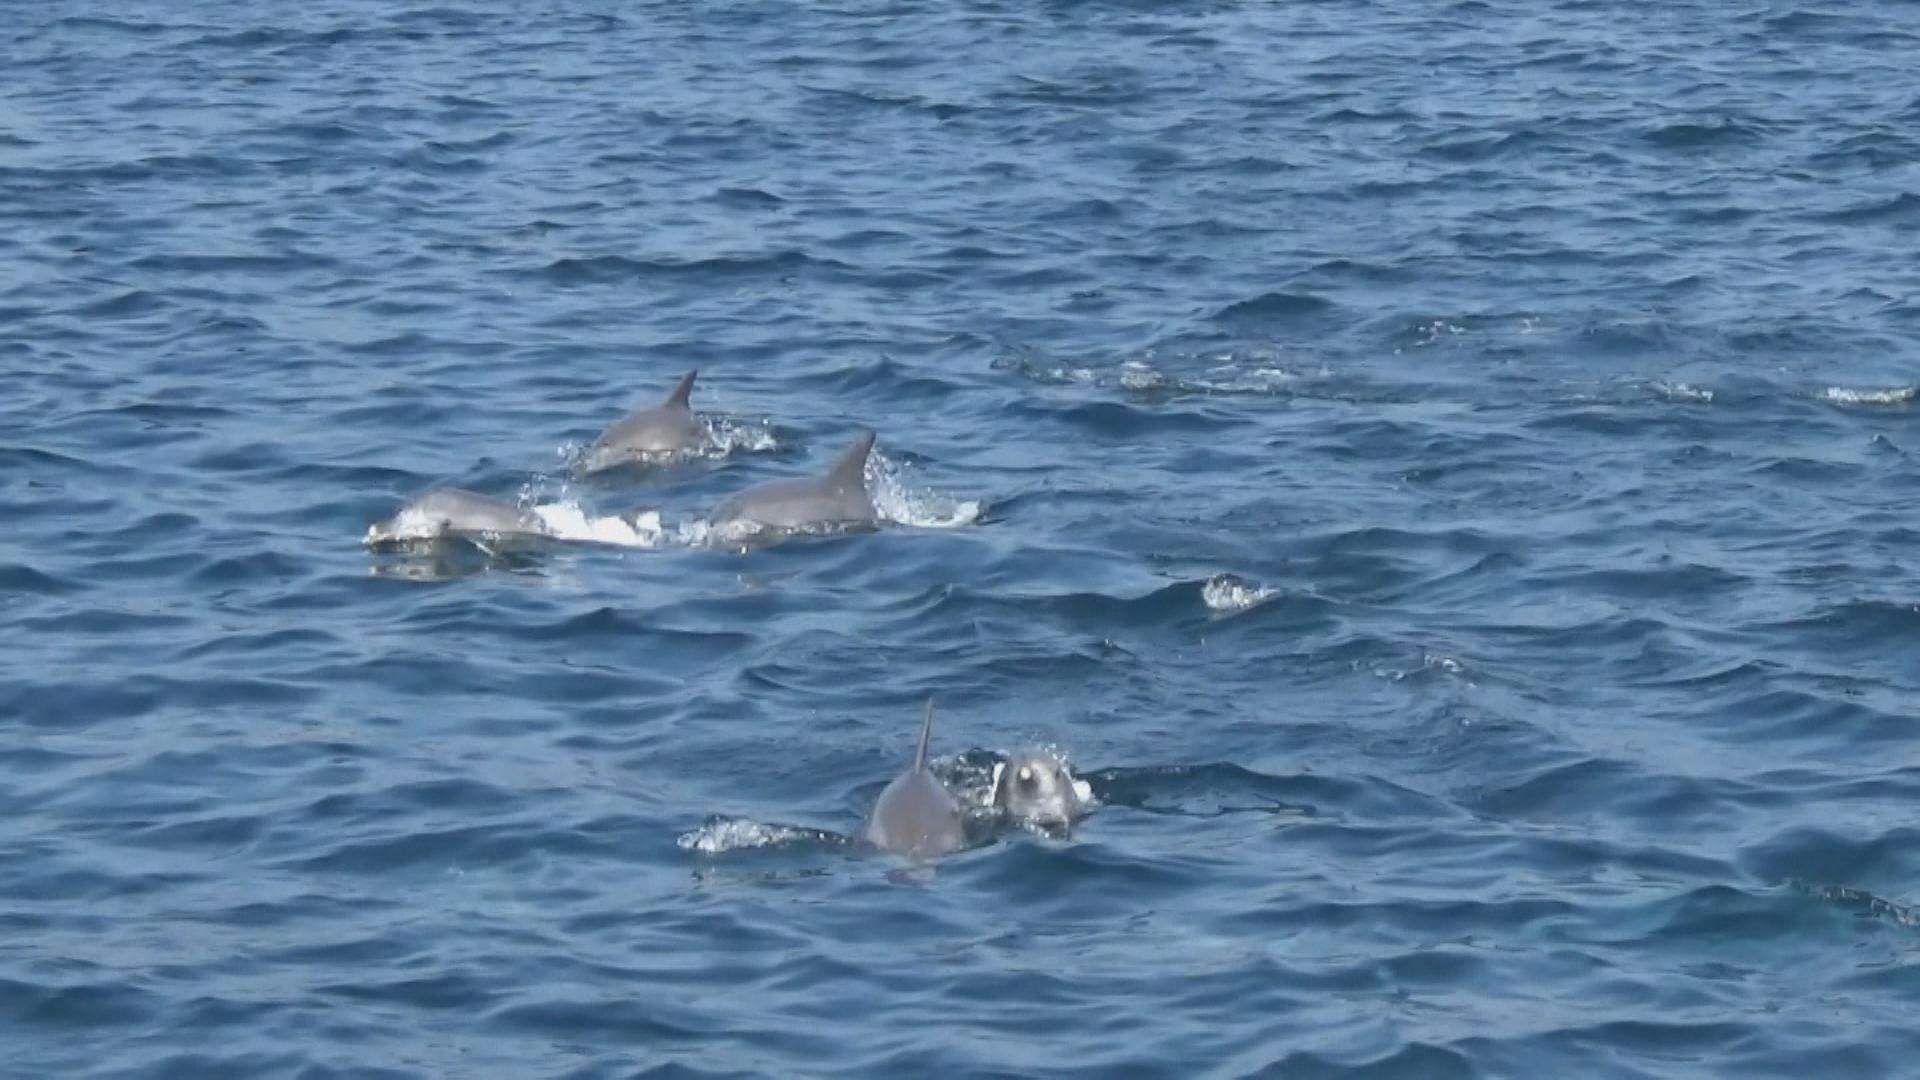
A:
x,y
1276,306
1841,395
1061,374
1431,665
1228,594
921,508
1422,335
719,835
1257,372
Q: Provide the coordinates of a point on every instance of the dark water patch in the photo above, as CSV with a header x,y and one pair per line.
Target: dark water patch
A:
x,y
1695,135
1221,788
1886,857
1901,209
130,304
19,579
614,269
76,1008
1275,307
747,198
229,264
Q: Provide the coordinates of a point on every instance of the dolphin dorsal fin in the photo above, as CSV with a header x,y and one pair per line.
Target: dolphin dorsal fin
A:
x,y
851,470
926,737
682,391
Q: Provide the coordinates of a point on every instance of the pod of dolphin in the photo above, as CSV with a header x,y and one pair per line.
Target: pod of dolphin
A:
x,y
915,815
669,431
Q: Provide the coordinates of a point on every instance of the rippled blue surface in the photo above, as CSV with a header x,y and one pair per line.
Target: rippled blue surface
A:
x,y
1552,365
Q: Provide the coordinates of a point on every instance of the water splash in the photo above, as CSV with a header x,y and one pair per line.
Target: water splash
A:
x,y
1229,594
640,529
719,835
903,504
727,436
1898,395
410,525
1140,375
1682,392
1256,370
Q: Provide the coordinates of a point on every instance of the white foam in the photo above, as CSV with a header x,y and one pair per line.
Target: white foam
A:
x,y
1435,330
409,524
1229,594
904,505
569,522
1898,395
1680,391
736,834
728,435
1139,375
1430,662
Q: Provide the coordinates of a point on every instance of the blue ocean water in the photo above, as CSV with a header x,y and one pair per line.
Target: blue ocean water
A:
x,y
1443,471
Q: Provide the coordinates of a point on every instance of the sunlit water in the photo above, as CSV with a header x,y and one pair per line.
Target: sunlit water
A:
x,y
1444,474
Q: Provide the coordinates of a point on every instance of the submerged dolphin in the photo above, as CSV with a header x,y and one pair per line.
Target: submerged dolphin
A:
x,y
915,815
665,429
837,499
458,513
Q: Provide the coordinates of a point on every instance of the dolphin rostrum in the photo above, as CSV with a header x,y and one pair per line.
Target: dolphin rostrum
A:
x,y
664,430
915,815
838,499
457,513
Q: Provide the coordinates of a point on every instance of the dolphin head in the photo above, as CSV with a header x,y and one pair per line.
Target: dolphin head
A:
x,y
452,512
411,524
1037,790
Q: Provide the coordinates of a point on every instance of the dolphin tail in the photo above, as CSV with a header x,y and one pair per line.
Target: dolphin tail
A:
x,y
683,390
851,470
926,737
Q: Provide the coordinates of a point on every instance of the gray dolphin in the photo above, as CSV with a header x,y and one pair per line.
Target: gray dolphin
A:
x,y
663,430
457,513
915,815
1037,790
837,499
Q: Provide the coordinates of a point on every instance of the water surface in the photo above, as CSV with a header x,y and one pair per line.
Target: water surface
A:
x,y
1443,471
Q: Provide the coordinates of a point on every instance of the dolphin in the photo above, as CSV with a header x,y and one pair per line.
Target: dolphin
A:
x,y
1038,790
663,430
457,513
838,499
915,815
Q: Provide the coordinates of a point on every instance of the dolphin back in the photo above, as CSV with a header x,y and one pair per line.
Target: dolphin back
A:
x,y
837,500
654,433
916,815
445,512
